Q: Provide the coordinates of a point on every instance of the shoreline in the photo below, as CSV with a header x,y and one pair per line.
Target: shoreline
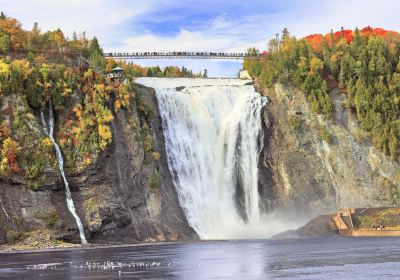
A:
x,y
287,235
104,246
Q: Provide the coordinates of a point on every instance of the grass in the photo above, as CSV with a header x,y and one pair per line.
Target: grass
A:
x,y
390,218
295,122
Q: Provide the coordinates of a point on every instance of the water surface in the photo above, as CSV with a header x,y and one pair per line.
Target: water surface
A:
x,y
333,258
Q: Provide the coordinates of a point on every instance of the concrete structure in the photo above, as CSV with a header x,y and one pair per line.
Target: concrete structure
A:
x,y
375,232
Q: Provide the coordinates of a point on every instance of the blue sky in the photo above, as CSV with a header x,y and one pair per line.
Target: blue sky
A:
x,y
130,25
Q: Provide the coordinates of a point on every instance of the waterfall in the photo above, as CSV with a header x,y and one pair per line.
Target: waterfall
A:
x,y
49,131
212,132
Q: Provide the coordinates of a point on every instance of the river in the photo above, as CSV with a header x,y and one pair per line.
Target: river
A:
x,y
331,258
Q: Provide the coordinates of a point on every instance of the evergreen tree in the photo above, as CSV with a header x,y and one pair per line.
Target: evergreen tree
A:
x,y
95,47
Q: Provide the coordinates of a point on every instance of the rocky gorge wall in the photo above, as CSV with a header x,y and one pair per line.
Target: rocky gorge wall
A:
x,y
122,197
312,164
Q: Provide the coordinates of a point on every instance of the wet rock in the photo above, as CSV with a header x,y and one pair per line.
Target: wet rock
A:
x,y
303,174
113,196
11,236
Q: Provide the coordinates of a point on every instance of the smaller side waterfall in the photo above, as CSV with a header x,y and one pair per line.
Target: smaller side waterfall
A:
x,y
49,130
9,219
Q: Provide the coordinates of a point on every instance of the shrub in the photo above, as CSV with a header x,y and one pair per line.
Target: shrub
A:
x,y
295,122
326,136
155,178
155,156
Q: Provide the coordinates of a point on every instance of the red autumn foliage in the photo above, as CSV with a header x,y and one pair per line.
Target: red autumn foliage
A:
x,y
4,131
315,40
12,161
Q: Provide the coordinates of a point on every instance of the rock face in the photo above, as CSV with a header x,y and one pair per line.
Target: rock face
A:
x,y
317,227
311,164
125,196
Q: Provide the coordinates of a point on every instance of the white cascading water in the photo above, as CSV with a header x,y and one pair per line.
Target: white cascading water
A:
x,y
49,131
212,130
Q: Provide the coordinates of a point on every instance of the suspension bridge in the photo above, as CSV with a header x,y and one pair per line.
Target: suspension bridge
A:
x,y
180,55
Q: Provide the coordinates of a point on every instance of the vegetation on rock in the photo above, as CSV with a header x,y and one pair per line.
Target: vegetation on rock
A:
x,y
364,64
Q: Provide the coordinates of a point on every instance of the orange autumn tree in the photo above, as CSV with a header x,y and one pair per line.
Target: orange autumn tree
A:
x,y
8,152
11,34
315,40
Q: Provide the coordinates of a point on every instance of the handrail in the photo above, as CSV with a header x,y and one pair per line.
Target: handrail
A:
x,y
180,54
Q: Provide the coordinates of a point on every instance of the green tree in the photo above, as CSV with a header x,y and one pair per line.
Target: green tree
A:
x,y
5,42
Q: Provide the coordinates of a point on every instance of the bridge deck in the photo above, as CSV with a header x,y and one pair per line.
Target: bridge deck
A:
x,y
180,55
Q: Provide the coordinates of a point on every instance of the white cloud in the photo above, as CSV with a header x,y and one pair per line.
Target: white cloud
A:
x,y
102,18
117,23
185,40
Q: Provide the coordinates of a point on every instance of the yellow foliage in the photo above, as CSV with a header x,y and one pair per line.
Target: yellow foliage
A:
x,y
105,135
78,111
334,58
87,160
46,142
117,105
23,66
4,69
155,156
88,74
105,116
316,65
66,91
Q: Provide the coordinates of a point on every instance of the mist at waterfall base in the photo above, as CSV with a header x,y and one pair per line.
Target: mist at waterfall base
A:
x,y
212,130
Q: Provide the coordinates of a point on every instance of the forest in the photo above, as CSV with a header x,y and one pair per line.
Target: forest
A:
x,y
363,64
36,67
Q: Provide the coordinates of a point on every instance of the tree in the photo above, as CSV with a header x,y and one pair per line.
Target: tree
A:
x,y
205,73
5,42
285,35
96,57
95,47
13,29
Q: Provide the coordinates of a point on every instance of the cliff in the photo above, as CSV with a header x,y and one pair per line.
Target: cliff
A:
x,y
125,195
310,164
313,164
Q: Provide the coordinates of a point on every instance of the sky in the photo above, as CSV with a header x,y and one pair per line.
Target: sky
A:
x,y
208,25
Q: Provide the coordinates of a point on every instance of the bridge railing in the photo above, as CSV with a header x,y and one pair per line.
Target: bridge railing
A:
x,y
127,55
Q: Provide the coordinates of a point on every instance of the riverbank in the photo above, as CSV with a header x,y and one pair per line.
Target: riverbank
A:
x,y
64,246
35,240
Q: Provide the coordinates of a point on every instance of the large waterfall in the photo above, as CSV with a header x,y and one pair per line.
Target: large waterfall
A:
x,y
49,131
212,131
